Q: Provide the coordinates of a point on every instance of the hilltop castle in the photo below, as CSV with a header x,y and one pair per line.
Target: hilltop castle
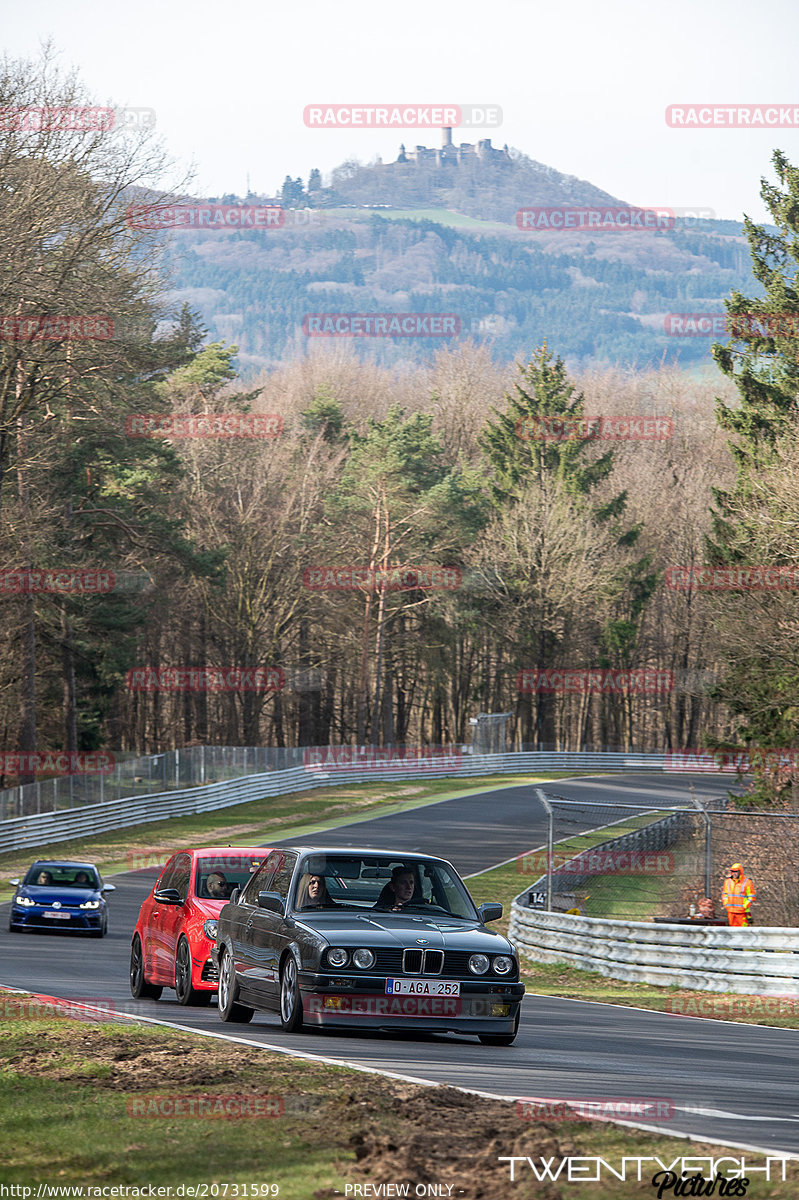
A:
x,y
450,153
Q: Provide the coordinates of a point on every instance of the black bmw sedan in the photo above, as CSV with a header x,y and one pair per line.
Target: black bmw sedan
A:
x,y
61,895
382,939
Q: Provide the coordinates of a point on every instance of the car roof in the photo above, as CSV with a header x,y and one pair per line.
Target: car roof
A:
x,y
364,850
220,851
62,862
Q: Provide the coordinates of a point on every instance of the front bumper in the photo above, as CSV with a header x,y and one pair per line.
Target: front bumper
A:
x,y
482,1006
68,918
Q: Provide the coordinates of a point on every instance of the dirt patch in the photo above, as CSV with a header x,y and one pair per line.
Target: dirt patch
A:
x,y
395,1131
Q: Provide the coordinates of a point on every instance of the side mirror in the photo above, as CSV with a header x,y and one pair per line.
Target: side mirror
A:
x,y
14,881
167,896
489,912
272,902
108,887
234,896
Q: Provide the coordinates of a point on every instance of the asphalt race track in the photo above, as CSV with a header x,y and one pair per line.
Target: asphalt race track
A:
x,y
734,1084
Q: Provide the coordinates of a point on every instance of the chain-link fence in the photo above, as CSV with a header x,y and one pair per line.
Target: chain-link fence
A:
x,y
616,860
146,775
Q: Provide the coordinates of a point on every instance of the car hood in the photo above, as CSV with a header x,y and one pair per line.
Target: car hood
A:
x,y
66,895
401,929
207,908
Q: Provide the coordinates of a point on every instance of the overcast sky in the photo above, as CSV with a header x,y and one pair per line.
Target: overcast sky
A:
x,y
583,84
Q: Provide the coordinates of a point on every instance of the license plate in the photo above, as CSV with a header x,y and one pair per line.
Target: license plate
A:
x,y
422,987
57,916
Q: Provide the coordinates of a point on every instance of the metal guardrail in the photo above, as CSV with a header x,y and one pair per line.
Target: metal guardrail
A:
x,y
751,961
41,829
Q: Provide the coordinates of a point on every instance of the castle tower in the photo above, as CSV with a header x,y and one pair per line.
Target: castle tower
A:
x,y
446,137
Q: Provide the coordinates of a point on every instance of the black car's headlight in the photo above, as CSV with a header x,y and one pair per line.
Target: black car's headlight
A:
x,y
364,959
502,964
337,956
479,964
209,929
24,901
90,904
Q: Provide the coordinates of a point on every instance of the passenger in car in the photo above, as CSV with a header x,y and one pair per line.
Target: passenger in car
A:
x,y
44,878
399,891
313,893
82,879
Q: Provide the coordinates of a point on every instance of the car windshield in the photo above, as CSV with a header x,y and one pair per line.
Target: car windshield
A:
x,y
387,883
216,875
62,875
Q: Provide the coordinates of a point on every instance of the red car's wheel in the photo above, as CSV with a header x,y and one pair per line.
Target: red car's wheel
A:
x,y
184,989
140,989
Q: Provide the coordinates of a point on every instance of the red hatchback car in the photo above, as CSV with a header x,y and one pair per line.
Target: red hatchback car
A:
x,y
176,930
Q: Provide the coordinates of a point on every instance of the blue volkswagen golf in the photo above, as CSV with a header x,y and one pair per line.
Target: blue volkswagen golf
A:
x,y
61,895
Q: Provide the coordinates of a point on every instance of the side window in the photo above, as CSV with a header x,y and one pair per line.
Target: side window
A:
x,y
182,874
167,875
260,882
282,877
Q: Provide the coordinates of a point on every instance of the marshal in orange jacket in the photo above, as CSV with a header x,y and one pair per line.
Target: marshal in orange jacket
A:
x,y
737,896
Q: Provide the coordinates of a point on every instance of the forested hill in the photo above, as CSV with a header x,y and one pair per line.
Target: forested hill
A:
x,y
416,237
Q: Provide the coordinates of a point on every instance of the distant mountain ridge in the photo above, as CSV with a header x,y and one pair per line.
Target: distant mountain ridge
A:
x,y
404,237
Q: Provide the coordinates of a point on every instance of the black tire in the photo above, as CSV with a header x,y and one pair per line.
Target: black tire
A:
x,y
229,1009
140,989
103,930
186,993
501,1039
12,928
290,999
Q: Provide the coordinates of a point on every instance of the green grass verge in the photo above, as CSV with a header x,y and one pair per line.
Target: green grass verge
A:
x,y
94,1105
258,821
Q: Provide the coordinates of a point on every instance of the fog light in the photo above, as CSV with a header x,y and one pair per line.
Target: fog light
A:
x,y
500,1010
332,1001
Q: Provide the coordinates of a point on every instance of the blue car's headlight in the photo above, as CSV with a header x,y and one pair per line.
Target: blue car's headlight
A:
x,y
24,901
90,904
